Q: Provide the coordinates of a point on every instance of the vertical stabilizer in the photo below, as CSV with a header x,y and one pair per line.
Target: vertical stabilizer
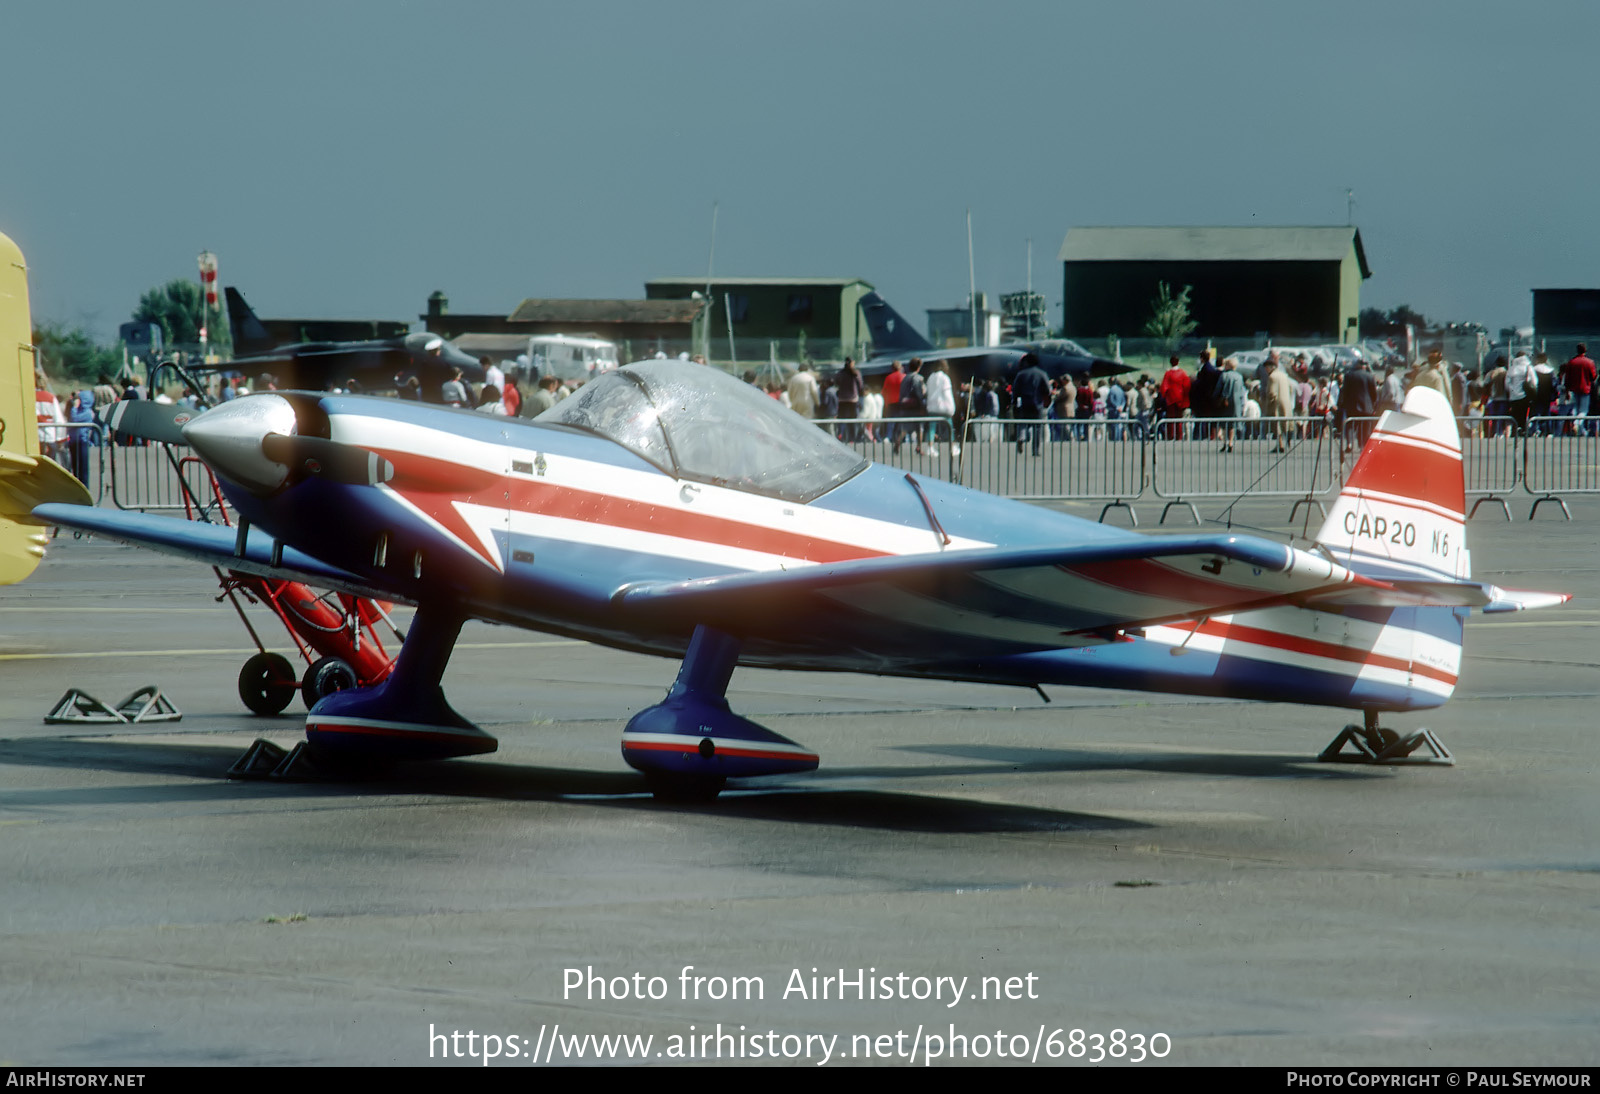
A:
x,y
1402,511
891,333
17,363
249,333
26,478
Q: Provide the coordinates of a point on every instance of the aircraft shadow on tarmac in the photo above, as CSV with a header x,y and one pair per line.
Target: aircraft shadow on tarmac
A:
x,y
775,800
1033,760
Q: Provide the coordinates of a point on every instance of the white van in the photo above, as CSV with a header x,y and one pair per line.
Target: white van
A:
x,y
571,358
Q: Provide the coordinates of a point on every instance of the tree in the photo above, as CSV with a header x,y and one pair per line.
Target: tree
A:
x,y
1169,317
177,306
1377,323
69,354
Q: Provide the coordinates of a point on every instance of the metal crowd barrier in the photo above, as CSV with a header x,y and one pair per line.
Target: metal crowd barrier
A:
x,y
924,446
1082,459
146,477
80,448
1178,460
1229,457
1557,462
1490,461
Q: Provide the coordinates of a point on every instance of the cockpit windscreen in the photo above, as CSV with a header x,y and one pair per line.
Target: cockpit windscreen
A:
x,y
698,423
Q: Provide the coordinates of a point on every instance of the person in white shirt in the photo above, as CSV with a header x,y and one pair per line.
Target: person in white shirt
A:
x,y
872,410
490,402
1521,383
941,400
492,374
804,393
941,396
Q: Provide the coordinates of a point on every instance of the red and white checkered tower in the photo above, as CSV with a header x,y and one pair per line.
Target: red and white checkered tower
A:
x,y
208,287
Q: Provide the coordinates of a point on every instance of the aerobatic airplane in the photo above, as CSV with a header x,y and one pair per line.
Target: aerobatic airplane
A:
x,y
27,476
667,508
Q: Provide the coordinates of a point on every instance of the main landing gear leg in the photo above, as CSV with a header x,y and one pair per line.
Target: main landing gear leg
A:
x,y
405,717
690,743
1375,745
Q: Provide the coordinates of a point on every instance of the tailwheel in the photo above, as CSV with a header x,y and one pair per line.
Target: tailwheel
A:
x,y
326,676
267,683
685,789
1375,744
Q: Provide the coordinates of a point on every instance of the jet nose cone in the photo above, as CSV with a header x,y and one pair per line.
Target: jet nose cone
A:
x,y
228,438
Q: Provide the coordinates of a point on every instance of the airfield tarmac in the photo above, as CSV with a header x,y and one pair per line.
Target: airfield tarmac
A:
x,y
1158,864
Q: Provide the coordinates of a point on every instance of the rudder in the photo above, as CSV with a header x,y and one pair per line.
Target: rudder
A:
x,y
1402,511
26,478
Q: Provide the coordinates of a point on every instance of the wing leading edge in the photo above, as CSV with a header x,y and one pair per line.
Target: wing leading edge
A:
x,y
214,544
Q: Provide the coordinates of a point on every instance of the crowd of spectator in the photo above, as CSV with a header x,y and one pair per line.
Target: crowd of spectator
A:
x,y
1282,400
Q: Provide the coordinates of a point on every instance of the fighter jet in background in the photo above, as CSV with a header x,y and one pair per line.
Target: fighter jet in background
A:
x,y
319,366
895,339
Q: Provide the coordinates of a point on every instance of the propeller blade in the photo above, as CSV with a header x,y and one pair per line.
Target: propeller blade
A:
x,y
327,459
151,421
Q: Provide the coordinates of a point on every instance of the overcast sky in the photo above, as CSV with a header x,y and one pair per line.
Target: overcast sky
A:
x,y
347,158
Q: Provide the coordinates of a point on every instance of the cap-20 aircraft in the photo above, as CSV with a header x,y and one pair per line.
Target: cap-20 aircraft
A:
x,y
667,508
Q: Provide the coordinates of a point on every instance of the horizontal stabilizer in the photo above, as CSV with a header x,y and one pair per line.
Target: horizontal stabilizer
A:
x,y
1407,594
1515,600
27,481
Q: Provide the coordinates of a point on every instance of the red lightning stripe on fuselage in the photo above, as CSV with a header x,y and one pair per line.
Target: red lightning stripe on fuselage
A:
x,y
1277,640
427,484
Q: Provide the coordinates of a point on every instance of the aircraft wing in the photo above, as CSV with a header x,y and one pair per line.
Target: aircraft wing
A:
x,y
213,544
1004,358
969,603
27,481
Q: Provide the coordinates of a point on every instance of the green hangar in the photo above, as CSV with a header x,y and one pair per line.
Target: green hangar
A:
x,y
1301,284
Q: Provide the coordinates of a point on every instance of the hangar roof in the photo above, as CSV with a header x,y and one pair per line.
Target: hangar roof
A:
x,y
698,282
605,311
1176,244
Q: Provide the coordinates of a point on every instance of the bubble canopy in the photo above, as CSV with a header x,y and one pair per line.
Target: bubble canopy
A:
x,y
697,423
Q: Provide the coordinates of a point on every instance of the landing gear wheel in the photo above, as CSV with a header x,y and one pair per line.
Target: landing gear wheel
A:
x,y
685,789
266,683
325,677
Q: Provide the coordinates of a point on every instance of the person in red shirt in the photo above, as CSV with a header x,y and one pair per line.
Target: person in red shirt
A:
x,y
1578,377
1175,392
891,399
